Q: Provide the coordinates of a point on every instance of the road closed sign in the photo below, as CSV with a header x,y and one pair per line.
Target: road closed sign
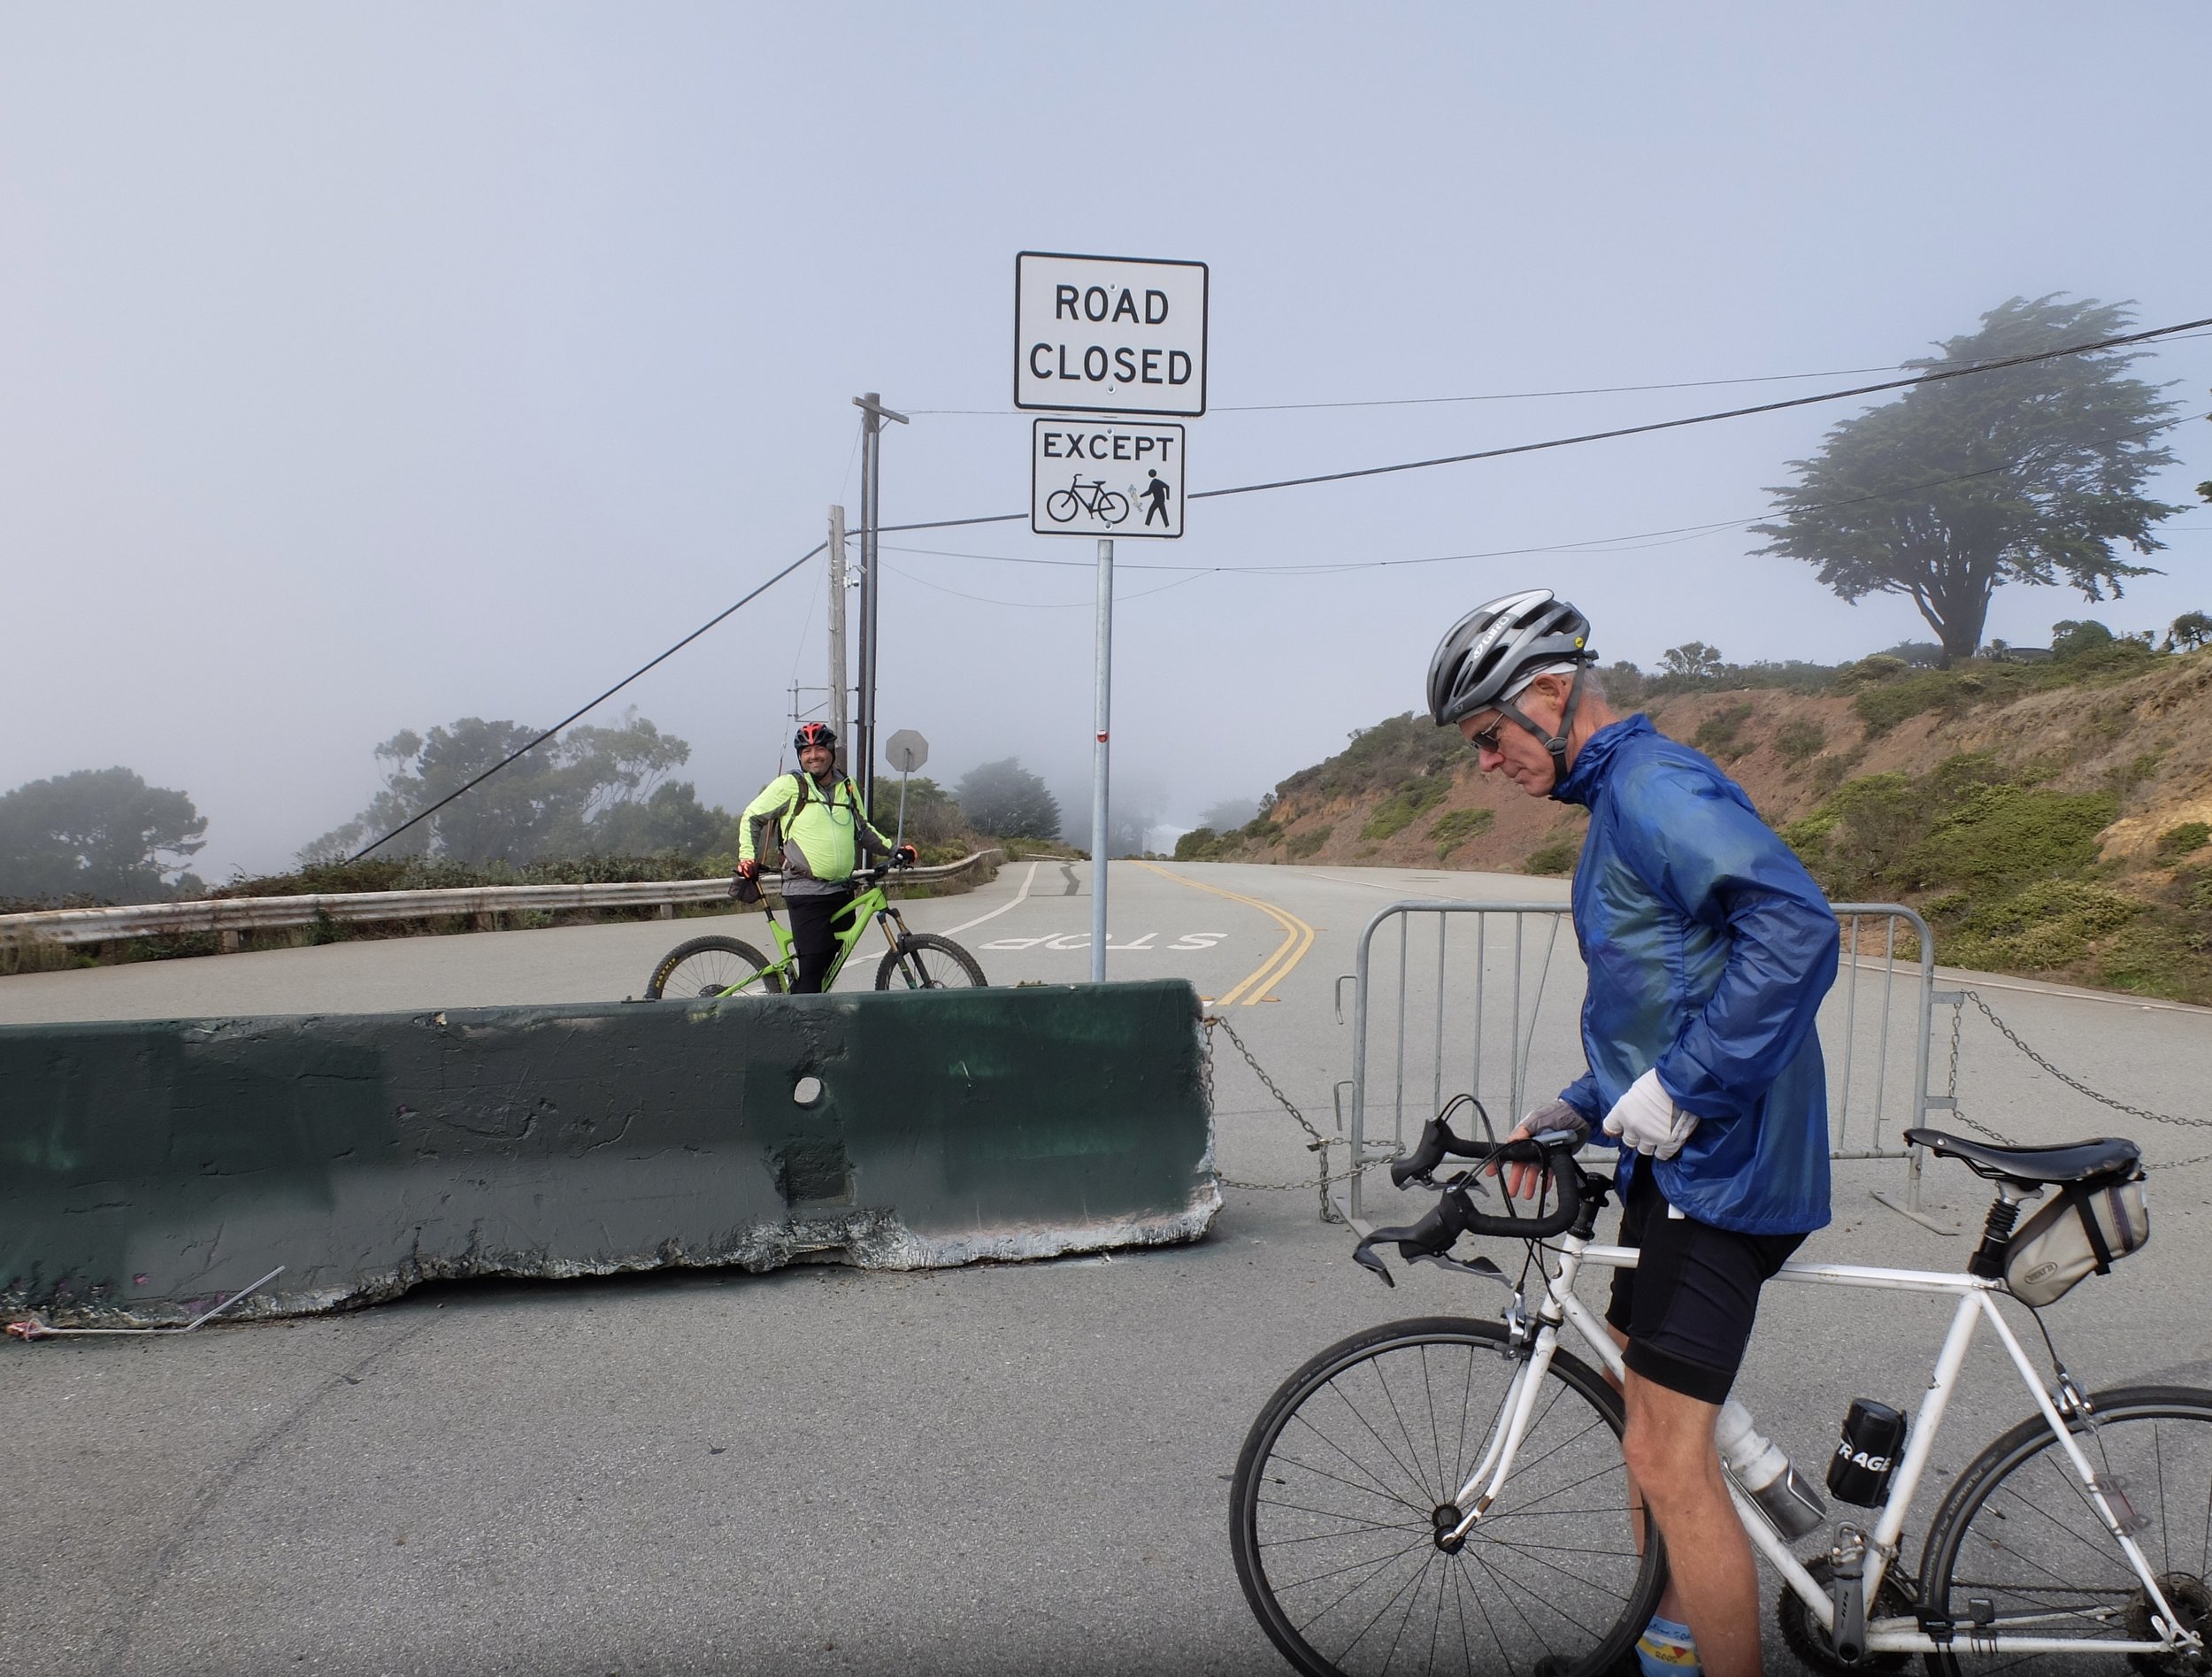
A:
x,y
1108,335
1093,478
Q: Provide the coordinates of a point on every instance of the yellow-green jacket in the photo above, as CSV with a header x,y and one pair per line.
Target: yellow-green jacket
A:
x,y
815,835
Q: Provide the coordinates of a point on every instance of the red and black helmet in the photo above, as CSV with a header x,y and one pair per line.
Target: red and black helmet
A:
x,y
815,734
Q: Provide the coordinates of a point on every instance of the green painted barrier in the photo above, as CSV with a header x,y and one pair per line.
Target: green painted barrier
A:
x,y
148,1169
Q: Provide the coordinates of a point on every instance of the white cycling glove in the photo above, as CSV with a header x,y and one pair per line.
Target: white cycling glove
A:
x,y
1646,1119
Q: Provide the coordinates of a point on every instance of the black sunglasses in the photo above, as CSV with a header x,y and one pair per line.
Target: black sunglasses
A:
x,y
1487,740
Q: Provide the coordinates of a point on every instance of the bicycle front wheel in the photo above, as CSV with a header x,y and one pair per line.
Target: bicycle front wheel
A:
x,y
1061,505
712,966
1345,1491
2017,1548
925,961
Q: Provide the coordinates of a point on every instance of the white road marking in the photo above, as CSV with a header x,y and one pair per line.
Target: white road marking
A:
x,y
1028,880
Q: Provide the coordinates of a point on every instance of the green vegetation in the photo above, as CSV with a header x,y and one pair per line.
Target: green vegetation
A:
x,y
1554,856
1886,692
1393,753
1800,738
1200,844
1006,799
1406,806
1903,499
2186,839
1304,844
2007,870
1717,734
1455,828
95,835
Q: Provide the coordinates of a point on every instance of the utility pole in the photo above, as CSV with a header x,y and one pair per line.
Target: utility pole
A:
x,y
862,762
839,679
1099,714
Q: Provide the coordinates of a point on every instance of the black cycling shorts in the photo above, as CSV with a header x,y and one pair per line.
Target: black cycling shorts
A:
x,y
1688,1305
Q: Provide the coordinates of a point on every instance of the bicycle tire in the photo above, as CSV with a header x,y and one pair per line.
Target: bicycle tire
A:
x,y
2018,1533
925,961
1061,505
707,967
1108,502
1538,1586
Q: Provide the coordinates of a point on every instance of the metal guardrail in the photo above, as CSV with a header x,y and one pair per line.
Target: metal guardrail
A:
x,y
231,915
1469,1016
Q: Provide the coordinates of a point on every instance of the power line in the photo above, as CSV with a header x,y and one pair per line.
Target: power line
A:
x,y
595,704
1444,401
1493,396
1936,377
1594,544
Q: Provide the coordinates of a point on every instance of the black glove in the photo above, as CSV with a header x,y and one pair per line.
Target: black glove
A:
x,y
905,856
745,883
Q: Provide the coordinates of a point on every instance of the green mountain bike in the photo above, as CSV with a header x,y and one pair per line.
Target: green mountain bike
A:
x,y
709,967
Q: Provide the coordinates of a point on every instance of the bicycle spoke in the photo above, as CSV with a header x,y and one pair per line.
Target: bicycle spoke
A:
x,y
1324,1513
1360,1466
1413,1450
1348,1484
1410,1473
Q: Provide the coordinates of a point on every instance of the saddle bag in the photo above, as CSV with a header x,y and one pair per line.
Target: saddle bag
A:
x,y
2084,1228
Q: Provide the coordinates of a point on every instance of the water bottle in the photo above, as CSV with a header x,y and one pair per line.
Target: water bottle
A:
x,y
1759,1465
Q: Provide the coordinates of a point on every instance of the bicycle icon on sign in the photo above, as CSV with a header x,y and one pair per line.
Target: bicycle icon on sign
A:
x,y
1095,498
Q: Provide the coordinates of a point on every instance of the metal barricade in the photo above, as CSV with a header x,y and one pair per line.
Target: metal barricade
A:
x,y
1493,1010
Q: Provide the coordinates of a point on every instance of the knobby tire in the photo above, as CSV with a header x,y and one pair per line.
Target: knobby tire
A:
x,y
705,966
925,961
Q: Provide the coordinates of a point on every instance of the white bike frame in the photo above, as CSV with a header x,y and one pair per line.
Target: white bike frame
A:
x,y
1890,1635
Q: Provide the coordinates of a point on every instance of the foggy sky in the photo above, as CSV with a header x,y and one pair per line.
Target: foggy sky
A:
x,y
363,368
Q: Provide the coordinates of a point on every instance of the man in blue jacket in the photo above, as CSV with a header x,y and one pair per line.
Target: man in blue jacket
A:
x,y
1709,947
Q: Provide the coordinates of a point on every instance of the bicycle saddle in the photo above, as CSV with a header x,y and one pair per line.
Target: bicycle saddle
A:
x,y
2066,1162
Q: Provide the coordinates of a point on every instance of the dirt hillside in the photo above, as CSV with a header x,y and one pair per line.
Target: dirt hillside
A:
x,y
2103,785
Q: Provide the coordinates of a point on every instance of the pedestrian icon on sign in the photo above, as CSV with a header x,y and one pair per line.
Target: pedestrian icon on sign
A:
x,y
1154,495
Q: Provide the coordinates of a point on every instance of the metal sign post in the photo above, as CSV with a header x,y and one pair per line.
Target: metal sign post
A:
x,y
1117,336
906,751
839,676
1098,756
863,754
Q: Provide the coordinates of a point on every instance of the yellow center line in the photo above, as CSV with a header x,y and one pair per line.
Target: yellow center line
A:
x,y
1254,985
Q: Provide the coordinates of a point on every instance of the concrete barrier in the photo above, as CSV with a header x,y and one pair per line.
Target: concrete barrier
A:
x,y
148,1169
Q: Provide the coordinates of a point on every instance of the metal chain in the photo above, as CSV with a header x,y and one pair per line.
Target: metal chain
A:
x,y
1958,1014
1317,1142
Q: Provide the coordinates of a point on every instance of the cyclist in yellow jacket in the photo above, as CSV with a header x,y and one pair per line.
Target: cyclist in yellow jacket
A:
x,y
811,826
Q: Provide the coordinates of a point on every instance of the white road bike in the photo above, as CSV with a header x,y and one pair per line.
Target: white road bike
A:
x,y
1446,1495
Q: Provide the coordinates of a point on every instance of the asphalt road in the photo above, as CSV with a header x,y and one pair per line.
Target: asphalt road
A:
x,y
994,1469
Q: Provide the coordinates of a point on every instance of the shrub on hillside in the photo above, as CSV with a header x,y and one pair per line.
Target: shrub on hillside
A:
x,y
1798,738
1455,828
1719,735
1304,844
1406,806
2186,839
1554,856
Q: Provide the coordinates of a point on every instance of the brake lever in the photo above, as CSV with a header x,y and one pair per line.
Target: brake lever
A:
x,y
1478,1266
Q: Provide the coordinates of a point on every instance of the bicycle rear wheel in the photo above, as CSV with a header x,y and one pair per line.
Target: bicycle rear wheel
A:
x,y
711,967
925,961
1344,1488
2018,1546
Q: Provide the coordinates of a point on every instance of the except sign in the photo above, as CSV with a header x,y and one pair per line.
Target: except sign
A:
x,y
1108,335
1092,478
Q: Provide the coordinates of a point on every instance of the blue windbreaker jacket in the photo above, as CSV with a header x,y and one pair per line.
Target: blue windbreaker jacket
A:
x,y
1708,949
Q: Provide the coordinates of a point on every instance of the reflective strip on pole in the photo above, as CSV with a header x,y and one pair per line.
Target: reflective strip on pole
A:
x,y
1098,759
